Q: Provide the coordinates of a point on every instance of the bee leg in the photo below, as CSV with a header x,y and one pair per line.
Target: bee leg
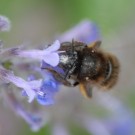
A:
x,y
86,90
67,76
62,80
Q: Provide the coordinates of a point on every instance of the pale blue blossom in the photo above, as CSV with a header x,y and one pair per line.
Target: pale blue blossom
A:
x,y
30,87
49,86
49,55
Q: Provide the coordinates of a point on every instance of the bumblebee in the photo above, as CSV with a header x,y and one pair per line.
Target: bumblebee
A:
x,y
86,66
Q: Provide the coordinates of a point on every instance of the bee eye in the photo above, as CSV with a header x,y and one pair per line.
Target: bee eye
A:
x,y
87,78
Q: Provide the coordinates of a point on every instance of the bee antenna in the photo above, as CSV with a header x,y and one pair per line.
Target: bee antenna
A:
x,y
72,45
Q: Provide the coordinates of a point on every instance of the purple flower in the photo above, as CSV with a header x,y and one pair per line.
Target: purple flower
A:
x,y
46,91
86,31
4,24
31,88
49,87
49,55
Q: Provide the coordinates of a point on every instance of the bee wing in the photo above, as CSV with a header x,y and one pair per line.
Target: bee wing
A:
x,y
86,90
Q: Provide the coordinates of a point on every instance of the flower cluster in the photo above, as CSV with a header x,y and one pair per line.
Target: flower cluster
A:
x,y
34,88
42,89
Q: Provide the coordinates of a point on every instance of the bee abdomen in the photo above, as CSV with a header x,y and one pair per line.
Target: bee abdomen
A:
x,y
112,72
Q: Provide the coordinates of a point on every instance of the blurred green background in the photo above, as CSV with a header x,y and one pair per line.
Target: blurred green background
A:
x,y
40,21
45,19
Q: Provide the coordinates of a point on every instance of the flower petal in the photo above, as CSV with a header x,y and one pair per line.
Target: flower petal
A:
x,y
54,47
52,59
50,85
35,84
45,100
18,81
